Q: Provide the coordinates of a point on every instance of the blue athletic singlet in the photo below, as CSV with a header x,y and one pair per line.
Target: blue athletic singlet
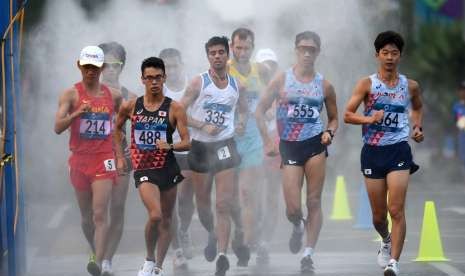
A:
x,y
299,107
395,101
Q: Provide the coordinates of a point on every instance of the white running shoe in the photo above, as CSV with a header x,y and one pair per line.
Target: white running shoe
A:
x,y
157,271
147,269
186,244
384,254
179,261
392,269
106,268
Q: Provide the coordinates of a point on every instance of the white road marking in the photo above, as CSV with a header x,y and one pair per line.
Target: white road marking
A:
x,y
58,216
448,269
458,210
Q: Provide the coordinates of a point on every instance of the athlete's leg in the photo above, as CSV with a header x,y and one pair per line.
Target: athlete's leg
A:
x,y
101,194
186,201
315,169
168,201
236,214
292,186
84,198
150,195
249,179
202,191
224,185
377,192
397,183
117,209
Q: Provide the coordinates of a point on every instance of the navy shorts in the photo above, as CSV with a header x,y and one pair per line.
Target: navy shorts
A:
x,y
378,161
165,178
297,153
213,157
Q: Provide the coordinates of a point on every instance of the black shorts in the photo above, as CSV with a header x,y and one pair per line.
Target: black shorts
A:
x,y
165,178
213,157
378,161
297,153
182,161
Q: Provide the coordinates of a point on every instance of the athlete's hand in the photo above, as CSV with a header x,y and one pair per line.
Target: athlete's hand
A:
x,y
121,166
417,135
326,139
271,148
240,129
83,108
163,145
211,129
377,116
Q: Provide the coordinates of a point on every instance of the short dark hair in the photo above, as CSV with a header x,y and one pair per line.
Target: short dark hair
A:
x,y
170,53
308,35
152,62
217,40
243,34
114,48
389,37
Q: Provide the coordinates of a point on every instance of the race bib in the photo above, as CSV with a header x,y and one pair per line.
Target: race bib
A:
x,y
146,135
394,118
223,153
94,125
109,165
216,114
302,113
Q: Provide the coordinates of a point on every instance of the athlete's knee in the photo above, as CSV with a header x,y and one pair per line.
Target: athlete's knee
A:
x,y
166,223
155,217
99,217
396,212
223,206
313,204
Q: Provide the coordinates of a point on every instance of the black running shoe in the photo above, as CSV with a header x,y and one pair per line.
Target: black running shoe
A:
x,y
237,241
306,265
243,256
295,242
92,267
222,265
210,250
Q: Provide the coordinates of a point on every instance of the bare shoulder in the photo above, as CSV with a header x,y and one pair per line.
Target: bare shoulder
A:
x,y
115,93
363,85
128,106
196,83
69,95
413,85
176,106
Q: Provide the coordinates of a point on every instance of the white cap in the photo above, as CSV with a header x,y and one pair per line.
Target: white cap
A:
x,y
265,54
91,55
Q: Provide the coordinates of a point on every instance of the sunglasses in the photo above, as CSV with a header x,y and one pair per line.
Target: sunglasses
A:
x,y
114,65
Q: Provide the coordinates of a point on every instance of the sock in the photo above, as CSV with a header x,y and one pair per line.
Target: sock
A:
x,y
308,251
387,239
150,260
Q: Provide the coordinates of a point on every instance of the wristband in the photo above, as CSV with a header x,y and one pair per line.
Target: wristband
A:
x,y
330,132
419,127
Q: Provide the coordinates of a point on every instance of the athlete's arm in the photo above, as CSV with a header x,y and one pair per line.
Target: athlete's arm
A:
x,y
191,94
242,111
417,110
117,99
180,118
118,133
63,117
331,110
361,90
268,97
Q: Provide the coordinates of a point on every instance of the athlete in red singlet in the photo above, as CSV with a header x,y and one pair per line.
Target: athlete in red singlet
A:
x,y
87,109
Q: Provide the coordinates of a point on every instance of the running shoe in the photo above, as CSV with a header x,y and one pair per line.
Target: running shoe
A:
x,y
92,267
147,269
222,265
210,250
306,264
392,268
263,257
179,261
157,271
295,242
384,254
186,244
106,268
